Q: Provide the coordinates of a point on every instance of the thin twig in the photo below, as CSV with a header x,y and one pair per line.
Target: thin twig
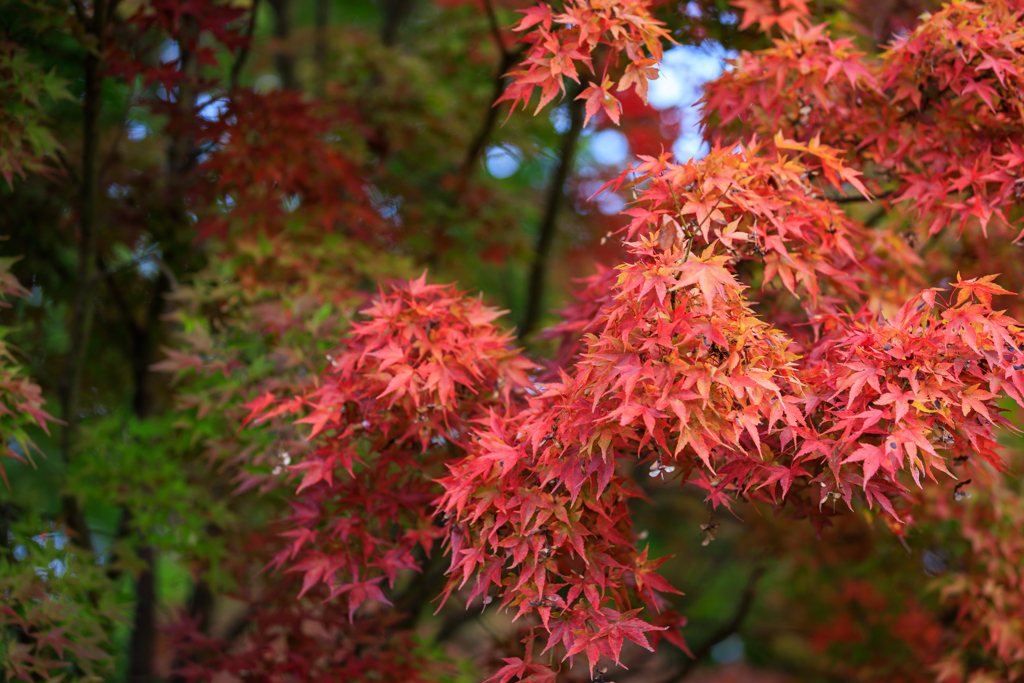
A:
x,y
508,58
851,199
546,233
476,146
105,166
243,53
119,300
495,29
168,273
423,587
68,168
105,272
451,625
722,632
873,220
480,140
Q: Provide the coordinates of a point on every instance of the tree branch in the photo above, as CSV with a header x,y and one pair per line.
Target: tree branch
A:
x,y
283,58
140,334
722,632
873,220
80,13
548,226
476,147
200,608
68,168
143,638
492,19
852,199
119,300
104,273
320,55
243,53
451,625
395,12
70,384
181,146
172,279
116,142
423,588
143,635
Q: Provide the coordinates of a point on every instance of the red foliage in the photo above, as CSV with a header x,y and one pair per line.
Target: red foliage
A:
x,y
304,169
933,116
21,400
404,393
284,637
427,426
621,28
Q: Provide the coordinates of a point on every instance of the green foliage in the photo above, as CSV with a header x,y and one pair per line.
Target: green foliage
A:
x,y
59,610
26,139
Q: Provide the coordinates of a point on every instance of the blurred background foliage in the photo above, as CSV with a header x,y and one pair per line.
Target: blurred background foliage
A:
x,y
197,218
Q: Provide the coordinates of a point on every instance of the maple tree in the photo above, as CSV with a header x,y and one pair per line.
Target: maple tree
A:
x,y
286,452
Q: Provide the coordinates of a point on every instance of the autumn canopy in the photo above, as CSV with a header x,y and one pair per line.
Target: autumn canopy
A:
x,y
264,419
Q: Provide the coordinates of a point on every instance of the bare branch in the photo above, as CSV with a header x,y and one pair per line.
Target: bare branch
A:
x,y
480,140
852,199
546,234
80,12
320,53
168,273
495,29
68,168
395,13
284,58
129,102
722,632
243,53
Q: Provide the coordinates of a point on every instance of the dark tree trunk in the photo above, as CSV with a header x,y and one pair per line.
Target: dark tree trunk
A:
x,y
143,642
70,383
395,14
284,59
